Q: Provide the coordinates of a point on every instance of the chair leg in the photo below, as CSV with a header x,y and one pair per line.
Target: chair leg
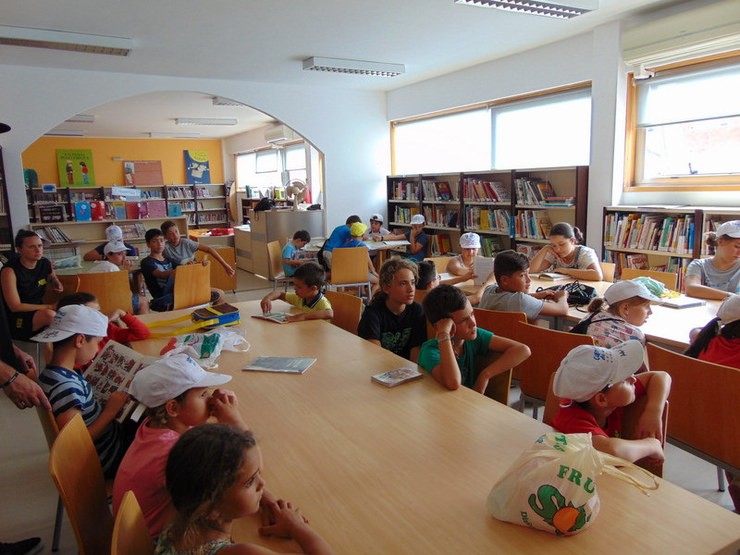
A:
x,y
720,479
57,526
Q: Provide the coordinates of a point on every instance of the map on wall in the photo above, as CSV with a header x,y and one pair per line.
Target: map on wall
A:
x,y
197,170
75,168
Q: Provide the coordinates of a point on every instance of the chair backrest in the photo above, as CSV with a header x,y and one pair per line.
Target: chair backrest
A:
x,y
70,284
130,532
497,321
440,263
275,259
48,425
347,310
549,348
219,277
552,403
111,289
192,285
349,266
669,279
75,468
419,295
702,396
607,270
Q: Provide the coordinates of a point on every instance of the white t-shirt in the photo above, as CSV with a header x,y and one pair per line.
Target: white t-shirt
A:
x,y
103,266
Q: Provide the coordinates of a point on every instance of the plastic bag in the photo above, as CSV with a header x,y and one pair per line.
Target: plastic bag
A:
x,y
206,347
552,485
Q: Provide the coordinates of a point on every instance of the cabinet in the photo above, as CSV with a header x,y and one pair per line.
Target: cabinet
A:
x,y
247,205
6,226
507,208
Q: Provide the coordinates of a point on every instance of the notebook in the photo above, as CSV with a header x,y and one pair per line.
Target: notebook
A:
x,y
683,302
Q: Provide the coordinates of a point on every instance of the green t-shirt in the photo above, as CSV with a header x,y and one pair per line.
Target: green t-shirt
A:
x,y
429,356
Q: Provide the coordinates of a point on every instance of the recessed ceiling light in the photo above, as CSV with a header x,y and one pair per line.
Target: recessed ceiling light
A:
x,y
562,9
65,133
206,121
81,118
63,40
222,101
356,67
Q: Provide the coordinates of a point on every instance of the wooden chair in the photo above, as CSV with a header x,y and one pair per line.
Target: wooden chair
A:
x,y
440,263
347,310
349,268
549,348
192,286
607,270
275,258
70,284
51,431
703,420
419,295
500,323
75,468
669,279
130,532
219,277
111,289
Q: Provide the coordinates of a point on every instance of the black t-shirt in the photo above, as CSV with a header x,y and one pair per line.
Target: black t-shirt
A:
x,y
30,283
397,333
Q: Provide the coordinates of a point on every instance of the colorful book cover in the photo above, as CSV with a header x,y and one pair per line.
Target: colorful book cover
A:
x,y
75,168
197,169
97,209
82,211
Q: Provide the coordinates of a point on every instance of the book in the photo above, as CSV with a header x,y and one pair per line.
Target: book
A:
x,y
111,370
552,276
277,317
482,268
392,378
287,365
82,211
683,302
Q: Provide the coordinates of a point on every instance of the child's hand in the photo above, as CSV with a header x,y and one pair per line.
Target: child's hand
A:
x,y
58,287
649,426
117,315
301,316
557,295
116,401
266,305
446,326
225,408
287,520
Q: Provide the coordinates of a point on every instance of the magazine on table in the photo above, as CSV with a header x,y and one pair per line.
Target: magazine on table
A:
x,y
392,378
285,365
277,317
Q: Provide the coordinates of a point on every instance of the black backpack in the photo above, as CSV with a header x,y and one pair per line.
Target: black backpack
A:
x,y
320,257
582,326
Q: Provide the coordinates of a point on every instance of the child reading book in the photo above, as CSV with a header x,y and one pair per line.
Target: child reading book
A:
x,y
309,281
301,238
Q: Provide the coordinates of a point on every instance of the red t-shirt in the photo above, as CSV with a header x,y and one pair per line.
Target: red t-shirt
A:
x,y
722,351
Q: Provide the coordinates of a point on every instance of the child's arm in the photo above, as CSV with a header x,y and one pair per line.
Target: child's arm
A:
x,y
694,288
629,449
559,306
478,295
290,523
115,403
657,386
326,314
539,263
225,408
266,303
214,253
592,273
447,372
135,329
512,353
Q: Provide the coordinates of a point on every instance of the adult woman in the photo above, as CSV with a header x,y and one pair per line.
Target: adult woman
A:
x,y
719,276
566,255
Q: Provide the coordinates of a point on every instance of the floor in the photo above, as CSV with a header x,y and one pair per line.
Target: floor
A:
x,y
28,497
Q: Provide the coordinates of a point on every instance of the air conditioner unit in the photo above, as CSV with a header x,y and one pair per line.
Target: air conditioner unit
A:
x,y
279,134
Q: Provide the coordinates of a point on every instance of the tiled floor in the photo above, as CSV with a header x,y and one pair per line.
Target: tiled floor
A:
x,y
28,497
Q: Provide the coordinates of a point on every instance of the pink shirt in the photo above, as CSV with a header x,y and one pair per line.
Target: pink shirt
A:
x,y
142,470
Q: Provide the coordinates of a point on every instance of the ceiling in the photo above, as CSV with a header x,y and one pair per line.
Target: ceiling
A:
x,y
266,41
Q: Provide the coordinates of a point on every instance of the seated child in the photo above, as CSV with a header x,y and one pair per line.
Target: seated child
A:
x,y
450,356
159,272
177,394
112,233
596,383
115,254
75,333
209,492
462,264
356,233
566,255
300,239
629,308
428,276
511,294
309,281
339,236
718,276
376,227
416,237
393,320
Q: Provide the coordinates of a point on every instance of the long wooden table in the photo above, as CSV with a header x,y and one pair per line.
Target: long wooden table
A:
x,y
408,469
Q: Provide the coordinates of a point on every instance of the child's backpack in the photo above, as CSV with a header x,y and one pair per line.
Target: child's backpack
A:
x,y
320,257
582,326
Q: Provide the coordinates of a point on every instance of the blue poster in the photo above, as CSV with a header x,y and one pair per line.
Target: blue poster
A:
x,y
197,170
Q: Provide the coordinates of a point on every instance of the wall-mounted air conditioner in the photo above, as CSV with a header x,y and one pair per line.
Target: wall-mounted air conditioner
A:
x,y
279,134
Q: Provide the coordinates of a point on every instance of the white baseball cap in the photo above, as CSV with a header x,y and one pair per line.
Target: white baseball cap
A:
x,y
586,370
729,310
731,229
114,246
113,233
623,290
376,218
469,241
417,219
170,377
71,320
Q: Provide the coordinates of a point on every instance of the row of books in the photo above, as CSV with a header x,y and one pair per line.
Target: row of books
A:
x,y
672,264
53,234
491,244
441,216
440,244
660,232
532,224
440,190
528,250
210,218
478,218
403,215
133,230
533,191
485,191
178,192
405,190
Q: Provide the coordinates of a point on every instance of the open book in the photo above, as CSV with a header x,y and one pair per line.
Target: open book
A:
x,y
392,378
277,317
287,365
112,370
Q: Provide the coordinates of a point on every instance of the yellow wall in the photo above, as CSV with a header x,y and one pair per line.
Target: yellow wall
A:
x,y
41,156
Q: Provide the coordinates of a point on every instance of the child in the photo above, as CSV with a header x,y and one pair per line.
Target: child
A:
x,y
112,233
393,320
300,239
719,276
450,356
339,236
356,233
209,492
629,308
376,227
566,255
176,392
115,254
511,271
462,264
597,383
75,332
159,272
416,237
428,276
24,278
309,281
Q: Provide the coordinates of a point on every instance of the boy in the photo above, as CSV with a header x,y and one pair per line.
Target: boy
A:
x,y
338,238
75,333
177,394
301,238
115,261
159,272
356,234
596,383
393,320
308,280
112,233
450,356
511,271
376,227
416,237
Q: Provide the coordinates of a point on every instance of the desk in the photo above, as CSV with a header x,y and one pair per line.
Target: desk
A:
x,y
86,266
407,470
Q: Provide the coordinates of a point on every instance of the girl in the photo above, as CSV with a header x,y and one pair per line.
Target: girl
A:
x,y
629,308
717,277
462,264
209,492
566,255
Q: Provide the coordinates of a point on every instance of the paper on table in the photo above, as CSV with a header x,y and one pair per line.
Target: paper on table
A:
x,y
288,365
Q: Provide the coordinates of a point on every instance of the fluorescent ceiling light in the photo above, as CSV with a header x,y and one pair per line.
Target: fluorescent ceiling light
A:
x,y
81,118
356,67
65,133
165,135
562,9
63,40
206,121
221,101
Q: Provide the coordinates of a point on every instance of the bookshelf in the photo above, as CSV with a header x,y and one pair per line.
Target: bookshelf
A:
x,y
6,226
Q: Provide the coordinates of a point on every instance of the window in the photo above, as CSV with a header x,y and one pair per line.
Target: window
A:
x,y
270,168
687,128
